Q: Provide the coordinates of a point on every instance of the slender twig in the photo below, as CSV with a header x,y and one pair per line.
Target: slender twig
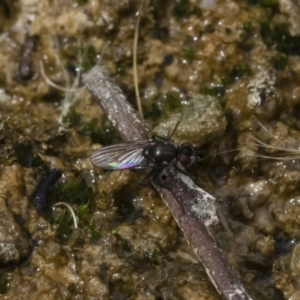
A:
x,y
134,59
71,211
114,104
199,211
53,84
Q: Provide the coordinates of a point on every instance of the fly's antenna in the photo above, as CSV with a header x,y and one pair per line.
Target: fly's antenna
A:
x,y
175,128
199,158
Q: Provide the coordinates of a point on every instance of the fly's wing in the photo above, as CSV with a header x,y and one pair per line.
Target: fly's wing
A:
x,y
121,156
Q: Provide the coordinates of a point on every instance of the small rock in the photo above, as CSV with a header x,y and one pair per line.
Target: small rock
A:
x,y
200,121
14,245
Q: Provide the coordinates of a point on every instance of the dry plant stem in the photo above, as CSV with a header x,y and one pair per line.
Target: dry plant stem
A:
x,y
195,222
114,104
192,221
134,58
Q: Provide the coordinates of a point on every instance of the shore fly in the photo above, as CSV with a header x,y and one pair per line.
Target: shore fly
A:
x,y
144,154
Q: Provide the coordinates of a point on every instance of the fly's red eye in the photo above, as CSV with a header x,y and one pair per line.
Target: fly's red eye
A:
x,y
184,159
186,154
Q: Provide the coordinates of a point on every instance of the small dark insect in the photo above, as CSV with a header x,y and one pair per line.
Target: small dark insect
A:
x,y
144,154
154,154
40,194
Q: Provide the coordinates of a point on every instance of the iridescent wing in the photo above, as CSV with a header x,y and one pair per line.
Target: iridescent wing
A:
x,y
121,156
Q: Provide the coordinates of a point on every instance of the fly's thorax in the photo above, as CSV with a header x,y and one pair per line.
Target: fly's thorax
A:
x,y
160,152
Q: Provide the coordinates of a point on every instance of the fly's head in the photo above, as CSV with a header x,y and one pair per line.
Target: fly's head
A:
x,y
186,155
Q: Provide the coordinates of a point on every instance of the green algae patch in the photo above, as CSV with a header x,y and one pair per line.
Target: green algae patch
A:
x,y
184,9
277,34
4,283
75,191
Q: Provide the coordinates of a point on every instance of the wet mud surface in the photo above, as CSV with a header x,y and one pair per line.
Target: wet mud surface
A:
x,y
240,59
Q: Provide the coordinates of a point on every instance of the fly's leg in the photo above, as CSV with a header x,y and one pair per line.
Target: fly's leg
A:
x,y
150,175
157,137
181,170
167,139
159,178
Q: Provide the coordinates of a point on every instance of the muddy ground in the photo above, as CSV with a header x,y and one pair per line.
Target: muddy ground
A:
x,y
244,54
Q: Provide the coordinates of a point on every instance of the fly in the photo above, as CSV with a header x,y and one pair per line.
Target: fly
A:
x,y
143,154
153,154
